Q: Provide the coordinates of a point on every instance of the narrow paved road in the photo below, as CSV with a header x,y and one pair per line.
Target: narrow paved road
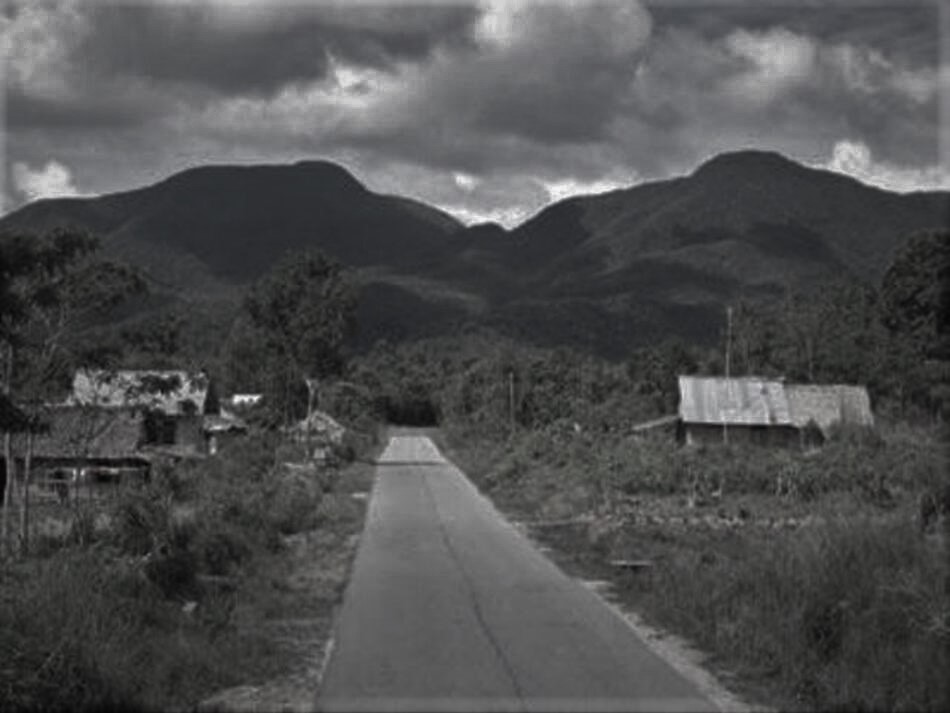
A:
x,y
451,608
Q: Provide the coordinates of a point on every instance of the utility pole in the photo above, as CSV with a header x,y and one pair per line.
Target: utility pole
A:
x,y
312,386
725,429
511,398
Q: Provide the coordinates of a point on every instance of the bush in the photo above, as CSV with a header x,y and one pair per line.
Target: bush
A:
x,y
221,549
293,503
139,521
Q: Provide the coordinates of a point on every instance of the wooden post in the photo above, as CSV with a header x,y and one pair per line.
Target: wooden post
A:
x,y
725,429
312,399
25,501
511,398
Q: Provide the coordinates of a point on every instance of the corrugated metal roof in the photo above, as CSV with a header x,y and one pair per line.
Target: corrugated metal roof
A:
x,y
746,401
173,392
828,404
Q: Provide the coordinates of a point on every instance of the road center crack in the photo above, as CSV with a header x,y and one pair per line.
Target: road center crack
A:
x,y
472,594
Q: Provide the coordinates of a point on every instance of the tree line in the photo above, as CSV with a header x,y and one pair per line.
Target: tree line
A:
x,y
295,323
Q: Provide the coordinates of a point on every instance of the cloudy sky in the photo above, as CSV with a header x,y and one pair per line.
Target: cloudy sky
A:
x,y
489,109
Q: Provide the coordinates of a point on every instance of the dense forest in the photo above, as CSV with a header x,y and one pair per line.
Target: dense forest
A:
x,y
299,321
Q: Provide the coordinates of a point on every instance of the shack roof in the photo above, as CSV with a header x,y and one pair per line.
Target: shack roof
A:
x,y
829,404
87,432
320,424
173,392
223,422
744,401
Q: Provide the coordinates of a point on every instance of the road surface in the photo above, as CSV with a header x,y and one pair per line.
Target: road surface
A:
x,y
450,608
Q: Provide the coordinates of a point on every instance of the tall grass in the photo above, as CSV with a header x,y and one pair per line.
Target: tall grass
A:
x,y
84,630
849,616
141,614
531,466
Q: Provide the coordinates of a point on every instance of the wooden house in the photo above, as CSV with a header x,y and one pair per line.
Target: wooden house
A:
x,y
81,445
753,409
822,407
174,404
749,409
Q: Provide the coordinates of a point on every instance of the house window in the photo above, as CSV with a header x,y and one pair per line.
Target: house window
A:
x,y
159,429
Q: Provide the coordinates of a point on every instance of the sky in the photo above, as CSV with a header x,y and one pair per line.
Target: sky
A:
x,y
488,109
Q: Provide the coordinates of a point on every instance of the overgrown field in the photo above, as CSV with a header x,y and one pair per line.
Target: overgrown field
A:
x,y
165,605
807,576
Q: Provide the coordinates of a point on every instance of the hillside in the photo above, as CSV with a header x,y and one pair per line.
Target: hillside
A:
x,y
634,264
605,271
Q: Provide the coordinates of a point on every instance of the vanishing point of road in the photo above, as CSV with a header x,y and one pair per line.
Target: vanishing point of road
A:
x,y
450,608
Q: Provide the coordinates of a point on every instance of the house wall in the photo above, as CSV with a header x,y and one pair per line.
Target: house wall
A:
x,y
189,433
699,433
219,440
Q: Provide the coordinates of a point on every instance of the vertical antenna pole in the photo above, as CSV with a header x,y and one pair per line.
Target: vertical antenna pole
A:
x,y
725,430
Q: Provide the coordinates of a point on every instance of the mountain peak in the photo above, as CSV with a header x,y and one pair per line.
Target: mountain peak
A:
x,y
324,173
746,160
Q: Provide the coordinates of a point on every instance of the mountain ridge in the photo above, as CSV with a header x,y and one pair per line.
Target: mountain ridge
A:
x,y
606,271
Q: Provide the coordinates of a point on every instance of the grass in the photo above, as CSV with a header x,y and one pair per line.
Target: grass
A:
x,y
163,607
817,587
851,615
86,630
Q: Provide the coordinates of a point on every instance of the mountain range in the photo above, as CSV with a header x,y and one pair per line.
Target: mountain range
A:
x,y
605,272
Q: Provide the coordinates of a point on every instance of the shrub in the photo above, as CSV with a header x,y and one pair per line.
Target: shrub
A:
x,y
293,503
219,549
139,521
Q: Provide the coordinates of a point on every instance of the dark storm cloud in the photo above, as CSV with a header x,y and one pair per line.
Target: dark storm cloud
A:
x,y
263,50
89,111
117,64
459,104
903,28
553,75
791,75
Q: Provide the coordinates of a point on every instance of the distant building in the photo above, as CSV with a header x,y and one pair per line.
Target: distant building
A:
x,y
85,442
115,424
174,403
760,410
828,405
85,445
221,428
320,432
244,400
750,409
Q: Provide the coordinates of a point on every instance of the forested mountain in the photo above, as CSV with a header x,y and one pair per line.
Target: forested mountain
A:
x,y
604,272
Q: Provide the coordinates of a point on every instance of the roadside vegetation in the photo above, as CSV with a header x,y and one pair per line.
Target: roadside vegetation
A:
x,y
824,595
157,594
164,601
814,580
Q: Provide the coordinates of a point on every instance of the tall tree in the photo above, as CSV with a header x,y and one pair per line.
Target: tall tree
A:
x,y
915,293
915,308
301,312
49,289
